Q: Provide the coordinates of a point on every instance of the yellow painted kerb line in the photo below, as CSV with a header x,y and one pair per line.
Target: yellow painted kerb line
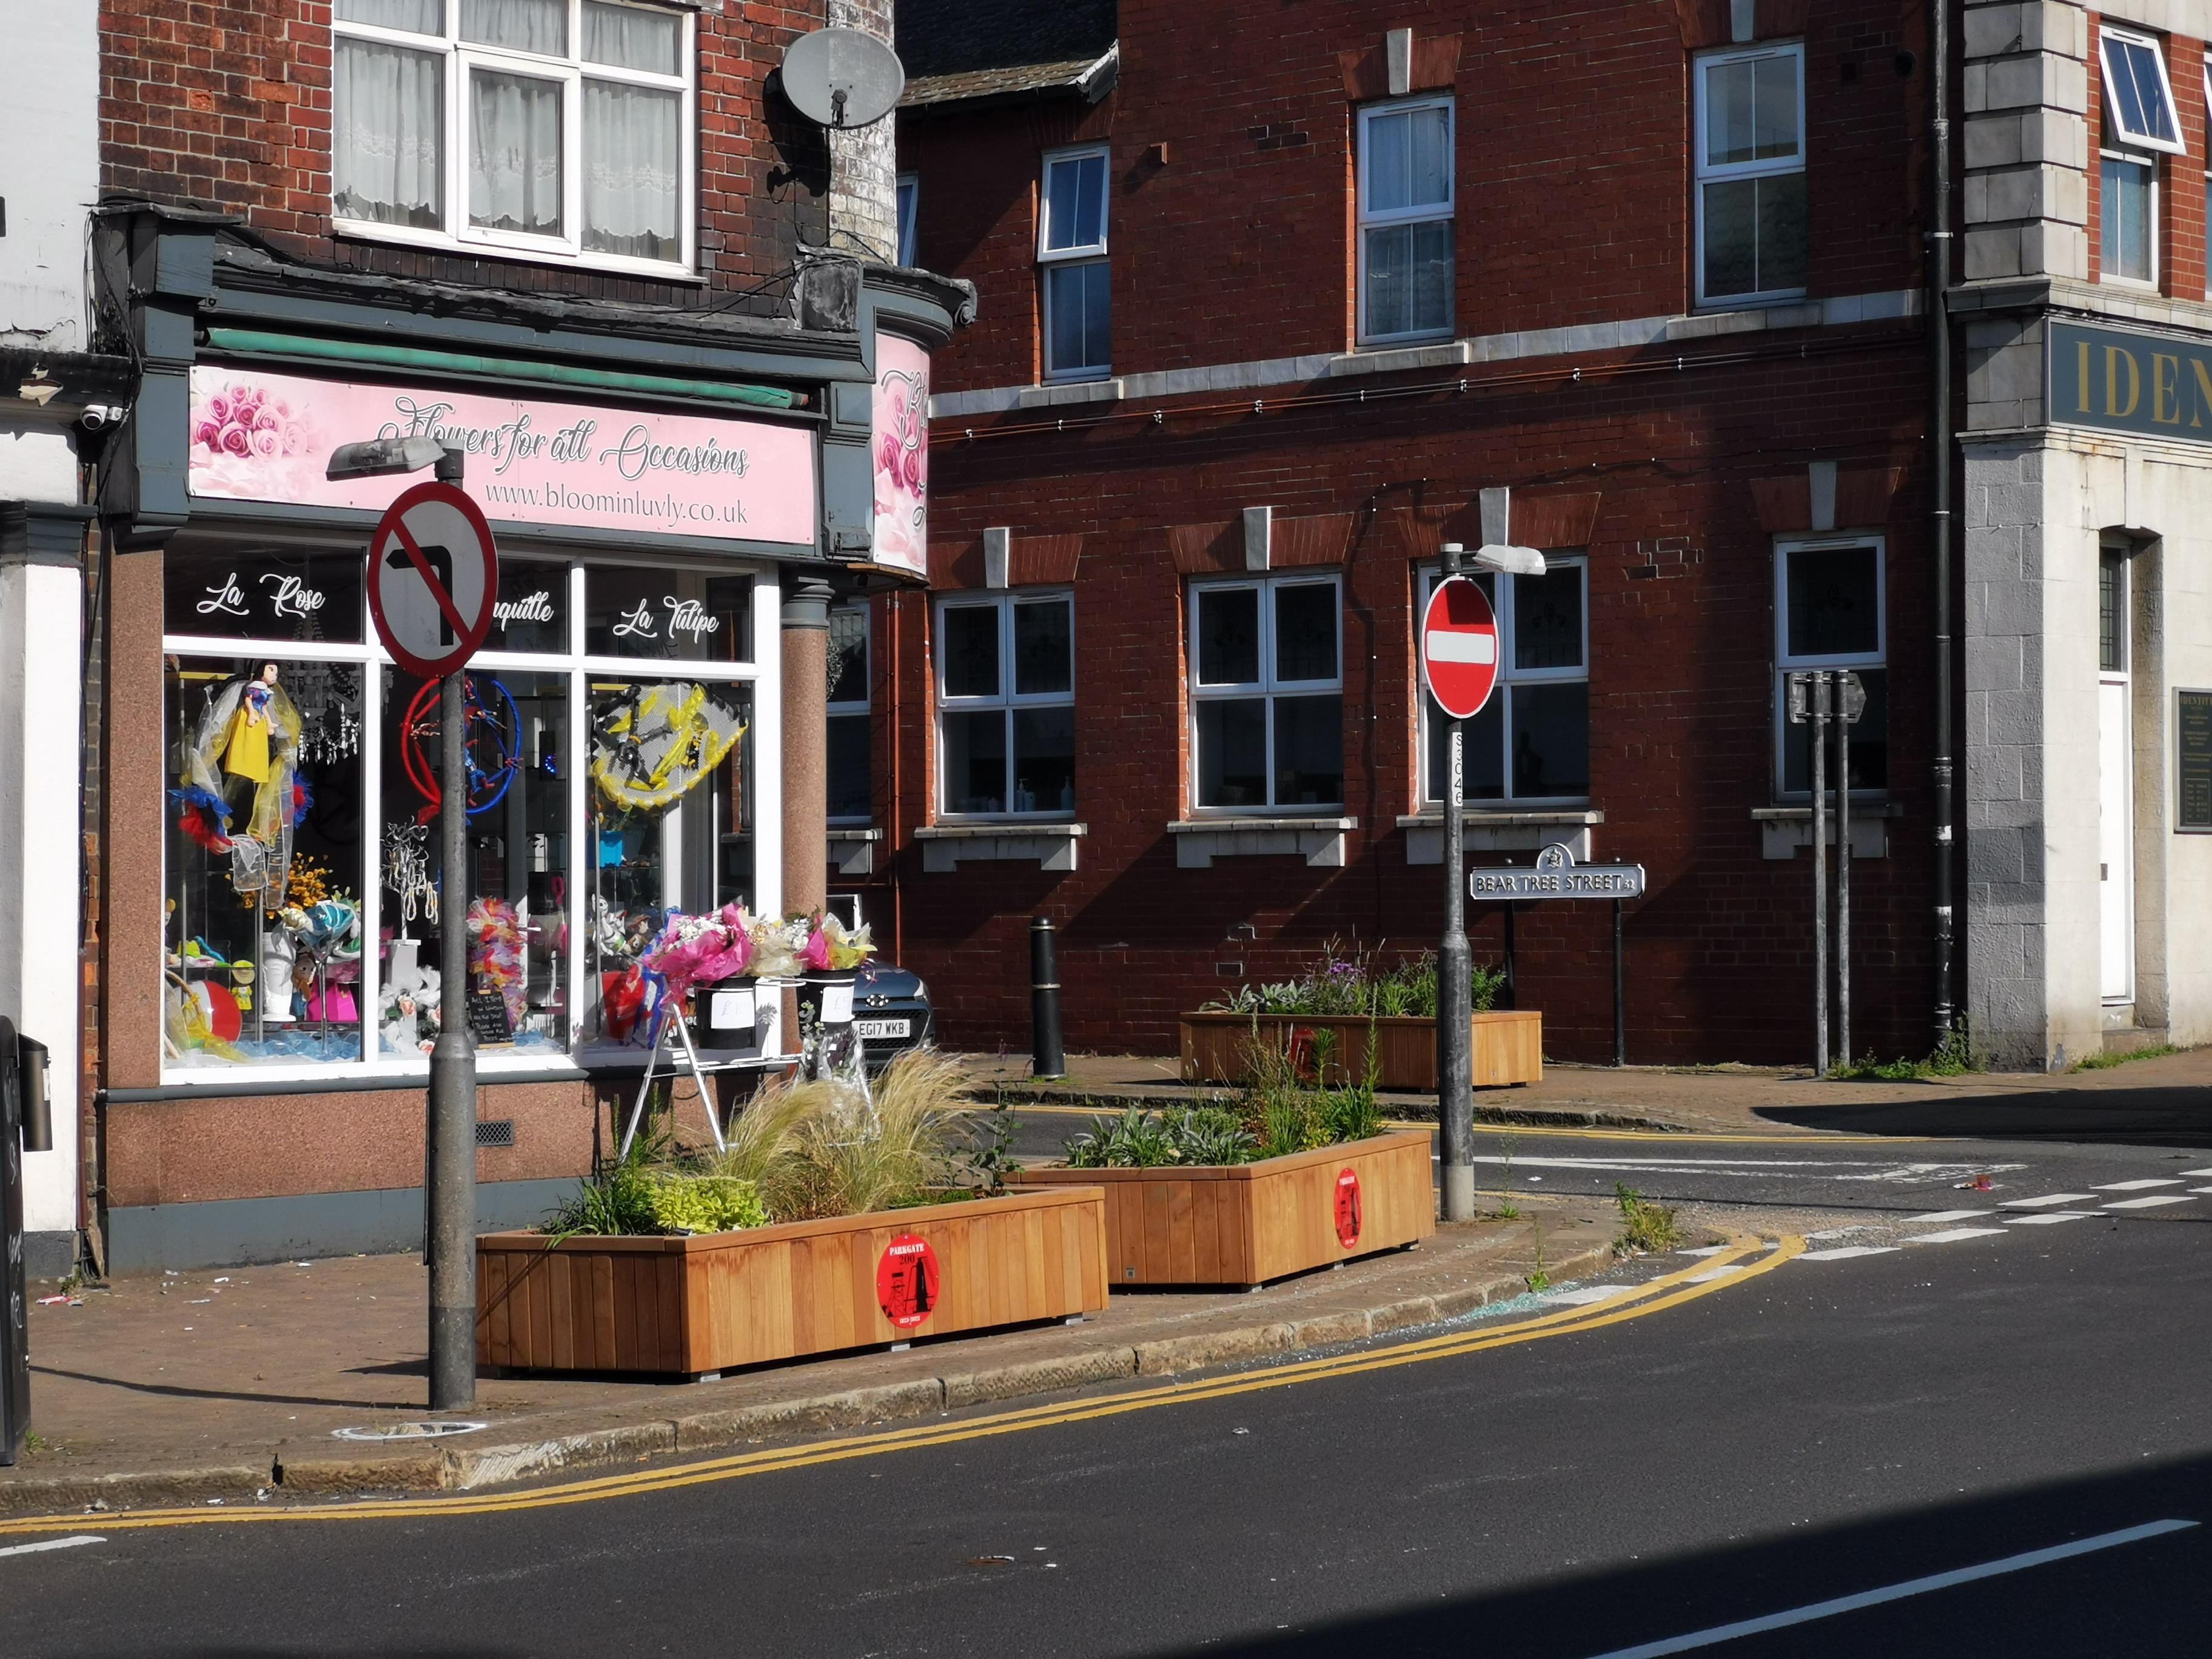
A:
x,y
1670,1291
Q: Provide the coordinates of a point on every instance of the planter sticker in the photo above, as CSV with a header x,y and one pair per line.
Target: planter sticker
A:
x,y
907,1280
1347,1208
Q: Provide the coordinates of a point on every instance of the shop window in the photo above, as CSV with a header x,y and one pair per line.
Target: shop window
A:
x,y
1751,208
1406,262
909,197
1828,614
1531,741
1007,705
849,777
1266,694
552,127
1071,253
302,864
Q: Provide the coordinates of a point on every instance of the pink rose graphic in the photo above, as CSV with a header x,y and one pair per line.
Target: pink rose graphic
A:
x,y
265,419
235,441
219,409
208,432
267,445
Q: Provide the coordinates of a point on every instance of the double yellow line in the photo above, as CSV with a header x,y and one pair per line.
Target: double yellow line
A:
x,y
1671,1290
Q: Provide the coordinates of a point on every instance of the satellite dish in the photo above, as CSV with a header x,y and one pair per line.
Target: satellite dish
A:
x,y
842,77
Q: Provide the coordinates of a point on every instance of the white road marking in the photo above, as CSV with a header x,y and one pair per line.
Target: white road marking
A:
x,y
1589,1293
1844,1252
2197,1172
70,1543
2048,1198
1953,1235
1946,1215
2202,1191
1709,1249
1711,1274
1818,1169
2134,1186
2148,1203
2048,1219
1874,1598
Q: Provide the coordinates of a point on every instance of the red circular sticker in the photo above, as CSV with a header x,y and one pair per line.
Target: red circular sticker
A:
x,y
907,1280
1347,1208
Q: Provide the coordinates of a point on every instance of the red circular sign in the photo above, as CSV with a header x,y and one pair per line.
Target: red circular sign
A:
x,y
433,577
906,1281
1459,647
1347,1208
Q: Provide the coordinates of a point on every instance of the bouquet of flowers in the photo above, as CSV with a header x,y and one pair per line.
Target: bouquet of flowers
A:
x,y
701,950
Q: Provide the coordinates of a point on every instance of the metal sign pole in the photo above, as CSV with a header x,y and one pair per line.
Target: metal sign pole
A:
x,y
1619,991
1845,683
1455,997
1817,713
451,1245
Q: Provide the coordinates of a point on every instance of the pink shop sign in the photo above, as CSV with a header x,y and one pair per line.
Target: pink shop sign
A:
x,y
901,434
261,437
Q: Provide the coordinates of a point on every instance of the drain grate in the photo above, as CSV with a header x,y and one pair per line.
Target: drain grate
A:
x,y
494,1132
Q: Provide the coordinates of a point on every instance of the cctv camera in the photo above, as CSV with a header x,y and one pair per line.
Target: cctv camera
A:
x,y
97,416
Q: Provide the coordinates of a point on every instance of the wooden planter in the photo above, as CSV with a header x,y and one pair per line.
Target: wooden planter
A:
x,y
717,1301
1508,1047
1245,1224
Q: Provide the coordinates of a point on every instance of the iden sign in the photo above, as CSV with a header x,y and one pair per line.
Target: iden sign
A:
x,y
1459,647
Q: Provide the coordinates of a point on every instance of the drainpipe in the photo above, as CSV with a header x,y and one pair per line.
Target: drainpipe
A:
x,y
1939,461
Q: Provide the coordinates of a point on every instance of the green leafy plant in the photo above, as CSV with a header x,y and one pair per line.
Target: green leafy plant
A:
x,y
990,1151
1341,983
1540,1279
706,1204
1646,1226
1507,1209
1954,1056
848,1154
2106,1059
615,1202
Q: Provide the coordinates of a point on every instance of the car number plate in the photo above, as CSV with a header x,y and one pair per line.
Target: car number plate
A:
x,y
875,1030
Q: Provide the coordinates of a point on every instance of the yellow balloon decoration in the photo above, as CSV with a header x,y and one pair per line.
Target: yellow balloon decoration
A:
x,y
655,742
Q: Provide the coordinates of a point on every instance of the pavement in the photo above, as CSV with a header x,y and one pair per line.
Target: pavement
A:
x,y
1997,1446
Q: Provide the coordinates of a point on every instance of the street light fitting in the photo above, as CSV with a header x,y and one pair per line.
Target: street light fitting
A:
x,y
1493,556
377,458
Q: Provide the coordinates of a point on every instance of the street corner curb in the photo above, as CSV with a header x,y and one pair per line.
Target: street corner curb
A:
x,y
490,1466
1183,1353
331,1477
1042,1377
1397,1316
1331,1329
855,1408
61,1494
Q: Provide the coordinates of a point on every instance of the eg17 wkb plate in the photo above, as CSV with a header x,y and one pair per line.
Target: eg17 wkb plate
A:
x,y
876,1031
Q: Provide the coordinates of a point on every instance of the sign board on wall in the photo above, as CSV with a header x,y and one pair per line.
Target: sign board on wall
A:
x,y
2150,383
259,437
902,454
2192,737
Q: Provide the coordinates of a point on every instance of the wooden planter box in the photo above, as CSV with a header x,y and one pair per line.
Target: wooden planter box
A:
x,y
717,1301
1509,1047
1246,1223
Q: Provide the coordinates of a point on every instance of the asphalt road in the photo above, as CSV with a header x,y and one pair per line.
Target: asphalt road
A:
x,y
1828,1428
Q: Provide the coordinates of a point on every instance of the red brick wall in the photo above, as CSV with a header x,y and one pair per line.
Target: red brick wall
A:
x,y
1573,174
226,104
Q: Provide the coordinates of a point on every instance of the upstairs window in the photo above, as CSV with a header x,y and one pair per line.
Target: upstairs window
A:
x,y
2138,98
1752,229
557,129
909,195
2139,120
1406,264
1266,694
1072,250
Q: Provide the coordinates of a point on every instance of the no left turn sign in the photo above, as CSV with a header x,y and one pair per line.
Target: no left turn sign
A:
x,y
1459,647
433,574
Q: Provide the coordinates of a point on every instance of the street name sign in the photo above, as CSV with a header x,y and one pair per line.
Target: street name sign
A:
x,y
1459,647
433,578
1557,876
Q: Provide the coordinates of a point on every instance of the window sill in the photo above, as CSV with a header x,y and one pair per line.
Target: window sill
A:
x,y
1318,841
1489,830
945,847
1783,829
853,849
369,230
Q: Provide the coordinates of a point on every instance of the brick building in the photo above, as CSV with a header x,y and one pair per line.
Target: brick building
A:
x,y
1274,304
587,244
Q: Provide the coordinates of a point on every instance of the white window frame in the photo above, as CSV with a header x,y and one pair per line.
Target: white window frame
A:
x,y
460,56
1785,661
1268,687
1085,253
863,706
910,203
1706,172
1007,699
2107,37
2149,164
1502,603
1427,213
762,675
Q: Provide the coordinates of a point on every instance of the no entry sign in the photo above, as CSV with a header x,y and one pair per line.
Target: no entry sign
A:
x,y
1459,647
433,574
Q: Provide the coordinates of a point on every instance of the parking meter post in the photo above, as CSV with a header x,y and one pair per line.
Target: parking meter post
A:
x,y
1817,717
1846,685
1047,1057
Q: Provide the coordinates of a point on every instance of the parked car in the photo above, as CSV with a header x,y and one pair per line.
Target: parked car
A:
x,y
890,1012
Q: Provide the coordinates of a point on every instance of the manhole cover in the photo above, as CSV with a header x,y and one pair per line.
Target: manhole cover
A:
x,y
436,1430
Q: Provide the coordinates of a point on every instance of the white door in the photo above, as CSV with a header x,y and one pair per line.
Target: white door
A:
x,y
2115,844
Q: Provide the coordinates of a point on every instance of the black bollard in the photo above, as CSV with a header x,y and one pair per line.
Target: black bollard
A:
x,y
1047,1057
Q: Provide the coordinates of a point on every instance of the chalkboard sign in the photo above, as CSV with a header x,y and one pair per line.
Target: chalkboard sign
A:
x,y
488,1019
2193,731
